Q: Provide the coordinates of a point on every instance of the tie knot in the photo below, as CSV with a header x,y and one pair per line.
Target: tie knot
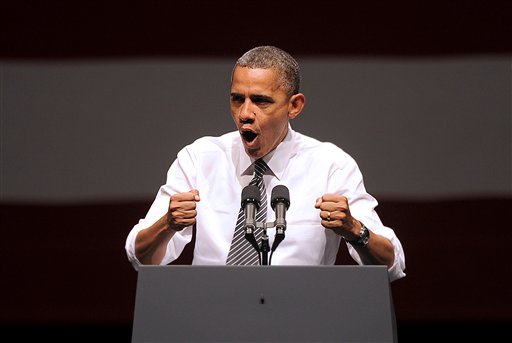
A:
x,y
259,168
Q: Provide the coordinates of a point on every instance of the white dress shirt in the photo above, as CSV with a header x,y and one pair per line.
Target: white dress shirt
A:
x,y
219,168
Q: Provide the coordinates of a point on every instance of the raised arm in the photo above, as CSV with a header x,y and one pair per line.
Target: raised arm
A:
x,y
151,243
335,215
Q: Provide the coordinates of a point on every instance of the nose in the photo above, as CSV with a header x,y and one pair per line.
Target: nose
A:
x,y
247,112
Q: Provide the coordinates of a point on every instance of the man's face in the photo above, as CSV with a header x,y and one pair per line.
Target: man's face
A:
x,y
260,109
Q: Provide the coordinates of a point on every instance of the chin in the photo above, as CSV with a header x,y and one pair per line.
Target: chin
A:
x,y
254,153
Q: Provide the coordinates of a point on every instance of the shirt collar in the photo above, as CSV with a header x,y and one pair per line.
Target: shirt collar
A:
x,y
277,159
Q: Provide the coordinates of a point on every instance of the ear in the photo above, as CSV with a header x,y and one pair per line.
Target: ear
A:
x,y
296,105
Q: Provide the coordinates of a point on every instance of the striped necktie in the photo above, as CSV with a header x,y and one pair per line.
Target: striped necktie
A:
x,y
241,251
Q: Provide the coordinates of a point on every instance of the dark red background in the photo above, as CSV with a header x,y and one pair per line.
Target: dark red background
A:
x,y
210,28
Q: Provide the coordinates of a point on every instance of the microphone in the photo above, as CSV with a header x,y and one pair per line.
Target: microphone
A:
x,y
280,201
250,203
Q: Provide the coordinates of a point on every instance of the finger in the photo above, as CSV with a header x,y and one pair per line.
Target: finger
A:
x,y
183,218
336,203
342,204
180,219
322,215
185,196
182,205
330,197
328,224
328,218
327,198
183,214
325,215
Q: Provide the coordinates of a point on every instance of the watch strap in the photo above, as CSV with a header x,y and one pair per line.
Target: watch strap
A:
x,y
364,237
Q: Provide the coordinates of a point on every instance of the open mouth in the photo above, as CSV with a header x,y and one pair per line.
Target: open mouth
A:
x,y
248,136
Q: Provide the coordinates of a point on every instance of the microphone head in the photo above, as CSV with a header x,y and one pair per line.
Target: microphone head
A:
x,y
251,193
280,193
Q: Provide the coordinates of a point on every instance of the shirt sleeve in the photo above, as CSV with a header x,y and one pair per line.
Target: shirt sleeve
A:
x,y
180,178
347,179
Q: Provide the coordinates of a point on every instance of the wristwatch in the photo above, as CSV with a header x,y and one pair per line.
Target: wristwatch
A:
x,y
364,237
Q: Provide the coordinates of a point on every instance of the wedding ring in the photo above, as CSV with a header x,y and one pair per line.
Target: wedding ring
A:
x,y
328,216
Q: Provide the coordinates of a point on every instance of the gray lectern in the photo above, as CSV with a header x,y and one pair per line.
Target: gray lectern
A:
x,y
263,304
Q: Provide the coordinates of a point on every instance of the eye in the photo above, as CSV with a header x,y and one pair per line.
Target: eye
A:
x,y
237,98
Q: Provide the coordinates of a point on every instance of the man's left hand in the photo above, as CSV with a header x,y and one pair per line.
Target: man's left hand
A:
x,y
335,215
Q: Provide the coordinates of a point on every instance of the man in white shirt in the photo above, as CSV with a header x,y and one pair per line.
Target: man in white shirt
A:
x,y
329,203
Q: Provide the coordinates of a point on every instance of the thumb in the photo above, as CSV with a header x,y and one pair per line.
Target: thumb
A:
x,y
318,202
196,194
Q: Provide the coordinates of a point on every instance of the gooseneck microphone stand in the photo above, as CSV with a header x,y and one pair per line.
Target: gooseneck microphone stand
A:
x,y
264,247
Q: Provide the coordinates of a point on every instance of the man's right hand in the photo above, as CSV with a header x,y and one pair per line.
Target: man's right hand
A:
x,y
182,210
